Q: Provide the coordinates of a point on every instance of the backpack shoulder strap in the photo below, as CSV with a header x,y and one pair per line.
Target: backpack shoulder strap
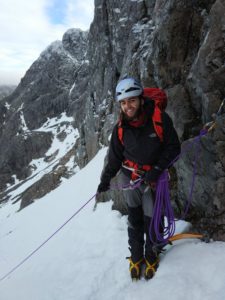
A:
x,y
120,132
160,98
157,122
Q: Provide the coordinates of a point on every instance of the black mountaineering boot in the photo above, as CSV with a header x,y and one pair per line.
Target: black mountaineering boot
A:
x,y
136,240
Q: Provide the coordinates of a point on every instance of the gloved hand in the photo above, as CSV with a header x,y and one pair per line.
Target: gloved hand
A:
x,y
103,187
152,175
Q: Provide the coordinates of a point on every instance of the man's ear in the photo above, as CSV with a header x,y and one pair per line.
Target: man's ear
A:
x,y
142,101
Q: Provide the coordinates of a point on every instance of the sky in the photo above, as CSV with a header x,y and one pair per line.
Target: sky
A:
x,y
28,27
85,259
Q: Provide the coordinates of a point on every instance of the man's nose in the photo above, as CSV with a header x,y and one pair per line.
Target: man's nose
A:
x,y
128,104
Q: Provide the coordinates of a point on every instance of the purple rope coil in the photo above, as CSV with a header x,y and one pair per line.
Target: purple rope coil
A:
x,y
163,208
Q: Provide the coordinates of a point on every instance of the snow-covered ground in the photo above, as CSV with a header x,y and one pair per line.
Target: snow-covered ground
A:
x,y
85,260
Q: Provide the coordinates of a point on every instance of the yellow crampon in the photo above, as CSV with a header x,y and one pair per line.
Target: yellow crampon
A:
x,y
150,269
135,268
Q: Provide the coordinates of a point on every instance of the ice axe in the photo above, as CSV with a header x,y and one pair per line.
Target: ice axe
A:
x,y
210,125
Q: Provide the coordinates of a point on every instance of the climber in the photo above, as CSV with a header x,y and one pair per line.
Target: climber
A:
x,y
136,148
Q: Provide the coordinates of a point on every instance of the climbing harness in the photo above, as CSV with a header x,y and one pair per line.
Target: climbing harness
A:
x,y
136,169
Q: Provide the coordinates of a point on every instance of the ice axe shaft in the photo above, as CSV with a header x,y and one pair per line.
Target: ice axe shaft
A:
x,y
219,112
181,236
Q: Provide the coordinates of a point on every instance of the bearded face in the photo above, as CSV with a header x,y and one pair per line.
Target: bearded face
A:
x,y
131,108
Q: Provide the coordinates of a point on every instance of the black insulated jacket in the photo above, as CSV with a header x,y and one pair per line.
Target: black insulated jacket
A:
x,y
142,145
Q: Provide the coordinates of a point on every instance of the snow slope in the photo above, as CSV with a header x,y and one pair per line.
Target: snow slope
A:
x,y
86,259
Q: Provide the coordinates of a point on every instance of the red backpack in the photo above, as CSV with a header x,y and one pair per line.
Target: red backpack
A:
x,y
160,99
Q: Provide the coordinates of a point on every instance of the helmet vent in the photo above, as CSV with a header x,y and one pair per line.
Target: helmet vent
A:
x,y
132,89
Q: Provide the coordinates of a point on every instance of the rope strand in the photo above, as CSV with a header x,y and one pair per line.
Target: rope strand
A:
x,y
133,186
40,246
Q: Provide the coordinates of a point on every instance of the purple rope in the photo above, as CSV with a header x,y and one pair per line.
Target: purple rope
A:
x,y
39,247
196,155
163,208
188,146
132,186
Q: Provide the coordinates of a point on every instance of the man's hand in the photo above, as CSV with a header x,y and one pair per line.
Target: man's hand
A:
x,y
152,176
103,187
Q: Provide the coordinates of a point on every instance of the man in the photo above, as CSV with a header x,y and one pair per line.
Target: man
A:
x,y
135,145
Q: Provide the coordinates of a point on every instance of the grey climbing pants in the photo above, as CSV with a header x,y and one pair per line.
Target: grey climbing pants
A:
x,y
140,196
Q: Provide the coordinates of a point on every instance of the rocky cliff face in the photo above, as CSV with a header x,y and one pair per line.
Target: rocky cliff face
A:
x,y
42,95
176,45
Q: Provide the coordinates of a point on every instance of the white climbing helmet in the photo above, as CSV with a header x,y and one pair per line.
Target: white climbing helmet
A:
x,y
128,87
